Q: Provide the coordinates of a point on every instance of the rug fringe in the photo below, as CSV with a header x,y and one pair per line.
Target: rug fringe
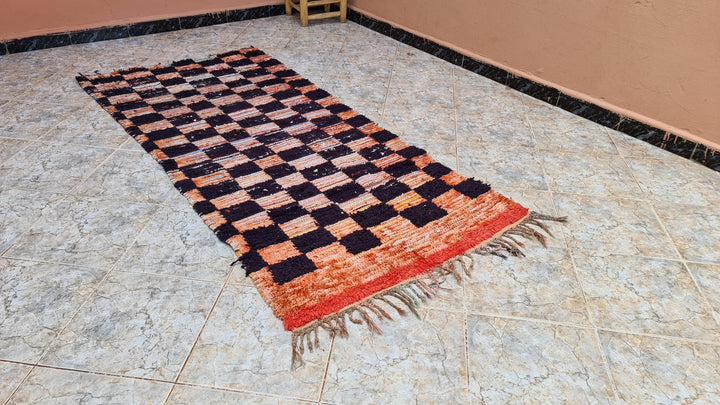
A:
x,y
409,295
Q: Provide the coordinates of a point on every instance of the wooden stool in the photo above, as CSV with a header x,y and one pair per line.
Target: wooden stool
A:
x,y
302,7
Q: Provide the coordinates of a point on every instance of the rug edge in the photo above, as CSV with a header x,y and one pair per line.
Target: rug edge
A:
x,y
411,293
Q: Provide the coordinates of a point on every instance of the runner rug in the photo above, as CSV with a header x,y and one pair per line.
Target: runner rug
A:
x,y
334,218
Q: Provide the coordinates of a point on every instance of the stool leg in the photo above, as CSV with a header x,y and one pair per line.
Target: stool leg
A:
x,y
288,8
343,10
304,13
327,8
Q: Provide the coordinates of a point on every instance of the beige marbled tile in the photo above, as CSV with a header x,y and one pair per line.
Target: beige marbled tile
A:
x,y
52,386
413,76
356,89
630,146
708,278
28,120
9,147
558,130
464,78
494,127
694,229
356,62
83,231
644,295
515,361
542,285
417,122
502,165
90,125
190,395
20,71
276,23
601,175
675,181
131,145
36,301
19,209
649,370
60,88
439,97
130,176
480,100
601,226
414,361
138,325
11,374
262,39
244,347
177,242
54,168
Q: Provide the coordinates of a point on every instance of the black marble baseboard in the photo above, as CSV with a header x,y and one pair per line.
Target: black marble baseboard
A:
x,y
654,136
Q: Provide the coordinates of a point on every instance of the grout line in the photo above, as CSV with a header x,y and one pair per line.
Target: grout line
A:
x,y
606,363
467,357
327,367
202,329
698,288
20,383
455,119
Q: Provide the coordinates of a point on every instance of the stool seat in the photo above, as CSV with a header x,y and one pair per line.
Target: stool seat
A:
x,y
303,5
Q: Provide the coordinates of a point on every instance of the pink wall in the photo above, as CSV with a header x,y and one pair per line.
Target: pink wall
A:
x,y
25,18
657,61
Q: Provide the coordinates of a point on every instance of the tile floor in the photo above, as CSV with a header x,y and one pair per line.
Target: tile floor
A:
x,y
113,291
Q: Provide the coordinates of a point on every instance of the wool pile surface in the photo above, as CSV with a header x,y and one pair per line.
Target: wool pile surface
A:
x,y
334,218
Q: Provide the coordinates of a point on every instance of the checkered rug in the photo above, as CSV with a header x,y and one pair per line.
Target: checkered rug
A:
x,y
333,217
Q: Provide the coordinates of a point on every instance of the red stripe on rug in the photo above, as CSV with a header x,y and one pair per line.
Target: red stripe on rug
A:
x,y
471,239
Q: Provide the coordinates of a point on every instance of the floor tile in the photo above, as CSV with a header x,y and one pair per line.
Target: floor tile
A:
x,y
414,361
695,230
177,242
502,165
18,211
430,125
437,97
189,395
679,182
662,371
59,89
496,100
645,296
52,168
600,175
52,386
708,278
84,231
90,126
30,120
558,130
38,299
154,323
518,361
9,147
629,146
499,128
130,176
613,226
244,347
542,285
11,374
